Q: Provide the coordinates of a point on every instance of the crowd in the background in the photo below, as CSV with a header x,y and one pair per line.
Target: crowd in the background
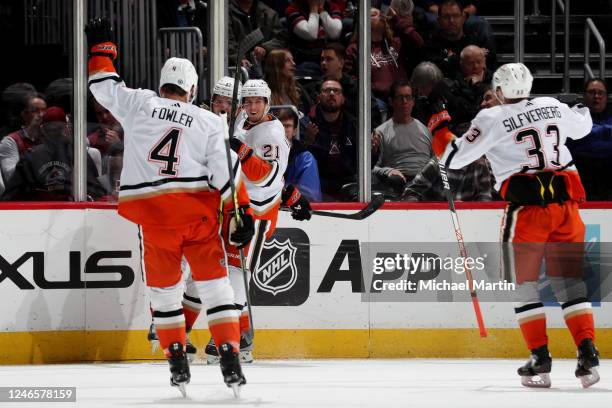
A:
x,y
431,67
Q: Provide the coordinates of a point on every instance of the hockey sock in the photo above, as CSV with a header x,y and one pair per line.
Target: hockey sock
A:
x,y
168,315
579,319
170,328
245,324
191,307
532,321
221,311
237,282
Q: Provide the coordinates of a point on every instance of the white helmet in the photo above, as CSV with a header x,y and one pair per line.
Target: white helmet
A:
x,y
225,87
180,72
256,87
514,80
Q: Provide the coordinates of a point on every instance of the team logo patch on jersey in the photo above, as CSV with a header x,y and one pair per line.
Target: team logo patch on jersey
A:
x,y
279,272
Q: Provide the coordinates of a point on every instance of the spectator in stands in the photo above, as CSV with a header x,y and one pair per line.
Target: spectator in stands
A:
x,y
474,182
45,172
333,60
109,134
331,136
182,13
107,138
468,87
389,51
279,74
489,99
426,14
593,153
400,20
246,16
311,23
14,146
434,94
302,170
432,6
405,143
12,105
59,93
473,65
446,43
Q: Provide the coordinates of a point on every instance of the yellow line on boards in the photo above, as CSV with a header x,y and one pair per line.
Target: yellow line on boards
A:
x,y
80,346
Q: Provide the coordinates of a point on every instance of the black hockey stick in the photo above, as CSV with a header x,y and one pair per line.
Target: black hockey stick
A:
x,y
377,201
247,43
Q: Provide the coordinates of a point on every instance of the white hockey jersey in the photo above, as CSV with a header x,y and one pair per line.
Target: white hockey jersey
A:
x,y
264,172
526,136
174,164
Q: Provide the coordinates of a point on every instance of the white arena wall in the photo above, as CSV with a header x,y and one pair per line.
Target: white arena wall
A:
x,y
71,289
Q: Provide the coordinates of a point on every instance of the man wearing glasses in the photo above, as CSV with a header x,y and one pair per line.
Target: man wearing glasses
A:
x,y
405,143
331,136
592,153
446,43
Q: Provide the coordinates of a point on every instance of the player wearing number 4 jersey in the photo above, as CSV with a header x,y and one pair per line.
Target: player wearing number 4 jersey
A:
x,y
524,140
174,179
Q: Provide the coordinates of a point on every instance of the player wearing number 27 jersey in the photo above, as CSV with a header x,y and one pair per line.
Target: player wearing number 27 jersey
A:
x,y
524,140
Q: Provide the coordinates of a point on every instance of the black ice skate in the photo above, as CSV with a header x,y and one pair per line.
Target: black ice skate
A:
x,y
179,367
152,337
190,349
246,348
588,361
212,355
536,372
230,368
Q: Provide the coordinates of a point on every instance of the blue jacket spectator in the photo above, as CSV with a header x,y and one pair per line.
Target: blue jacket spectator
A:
x,y
302,170
599,142
593,153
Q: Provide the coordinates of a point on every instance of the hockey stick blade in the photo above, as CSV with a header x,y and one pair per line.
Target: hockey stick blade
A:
x,y
250,41
377,202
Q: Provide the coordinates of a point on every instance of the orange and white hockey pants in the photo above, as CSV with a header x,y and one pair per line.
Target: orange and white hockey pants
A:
x,y
554,234
202,247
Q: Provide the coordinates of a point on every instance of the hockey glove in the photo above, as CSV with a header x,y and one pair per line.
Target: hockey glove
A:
x,y
299,205
438,121
438,126
99,38
240,233
242,150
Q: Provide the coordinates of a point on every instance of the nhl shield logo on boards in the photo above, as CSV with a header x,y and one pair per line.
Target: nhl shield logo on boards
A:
x,y
282,276
279,272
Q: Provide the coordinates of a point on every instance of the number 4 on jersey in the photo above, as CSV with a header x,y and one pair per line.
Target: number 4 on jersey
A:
x,y
164,152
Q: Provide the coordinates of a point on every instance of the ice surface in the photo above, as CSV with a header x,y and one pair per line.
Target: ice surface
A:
x,y
318,384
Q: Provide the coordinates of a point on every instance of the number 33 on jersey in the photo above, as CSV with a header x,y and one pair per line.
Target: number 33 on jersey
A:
x,y
526,136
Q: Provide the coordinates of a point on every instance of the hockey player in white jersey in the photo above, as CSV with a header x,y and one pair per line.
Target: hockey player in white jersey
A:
x,y
524,140
175,178
221,101
263,151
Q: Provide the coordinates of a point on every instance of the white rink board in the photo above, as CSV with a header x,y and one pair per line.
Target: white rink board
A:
x,y
56,233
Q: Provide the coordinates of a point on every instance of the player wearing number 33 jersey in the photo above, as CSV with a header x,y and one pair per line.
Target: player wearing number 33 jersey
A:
x,y
524,140
174,180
